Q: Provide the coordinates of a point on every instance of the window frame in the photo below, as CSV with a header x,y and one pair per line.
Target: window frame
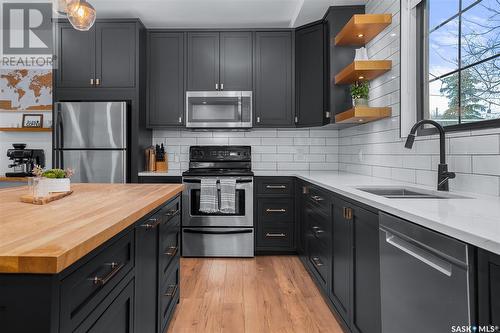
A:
x,y
422,91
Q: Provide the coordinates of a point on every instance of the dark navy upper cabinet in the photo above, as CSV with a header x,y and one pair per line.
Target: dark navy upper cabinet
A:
x,y
76,57
273,79
488,288
236,61
219,61
165,79
310,76
103,57
202,61
115,55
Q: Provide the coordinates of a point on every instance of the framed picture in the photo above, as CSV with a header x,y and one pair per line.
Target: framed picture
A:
x,y
33,120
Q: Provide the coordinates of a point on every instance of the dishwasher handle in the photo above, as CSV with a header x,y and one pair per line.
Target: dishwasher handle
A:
x,y
418,253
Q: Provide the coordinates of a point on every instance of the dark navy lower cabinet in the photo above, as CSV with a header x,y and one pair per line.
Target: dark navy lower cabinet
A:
x,y
488,288
128,284
274,215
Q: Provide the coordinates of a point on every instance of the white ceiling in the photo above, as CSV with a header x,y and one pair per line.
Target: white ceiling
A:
x,y
219,13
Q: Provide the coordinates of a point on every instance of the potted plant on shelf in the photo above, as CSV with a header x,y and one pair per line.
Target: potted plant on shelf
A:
x,y
359,93
54,180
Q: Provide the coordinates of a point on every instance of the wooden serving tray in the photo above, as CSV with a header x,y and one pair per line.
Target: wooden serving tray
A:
x,y
44,200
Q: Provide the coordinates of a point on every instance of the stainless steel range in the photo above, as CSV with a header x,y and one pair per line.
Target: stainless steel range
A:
x,y
218,234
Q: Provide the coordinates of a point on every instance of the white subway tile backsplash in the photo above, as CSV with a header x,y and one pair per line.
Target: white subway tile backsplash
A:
x,y
486,165
277,141
485,144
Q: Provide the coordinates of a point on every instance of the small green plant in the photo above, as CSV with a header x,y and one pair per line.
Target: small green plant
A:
x,y
360,90
52,173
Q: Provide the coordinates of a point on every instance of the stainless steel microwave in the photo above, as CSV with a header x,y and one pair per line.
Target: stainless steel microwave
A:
x,y
219,109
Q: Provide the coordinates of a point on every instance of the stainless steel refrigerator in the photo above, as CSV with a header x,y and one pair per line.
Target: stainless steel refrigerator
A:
x,y
91,138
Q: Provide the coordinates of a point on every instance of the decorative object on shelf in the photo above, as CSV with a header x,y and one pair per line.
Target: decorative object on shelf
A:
x,y
53,180
161,159
361,54
81,14
32,120
24,90
359,93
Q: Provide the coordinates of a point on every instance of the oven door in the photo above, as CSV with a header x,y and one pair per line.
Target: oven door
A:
x,y
192,217
219,109
217,242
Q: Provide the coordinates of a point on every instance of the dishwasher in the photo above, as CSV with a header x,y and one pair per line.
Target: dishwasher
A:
x,y
424,279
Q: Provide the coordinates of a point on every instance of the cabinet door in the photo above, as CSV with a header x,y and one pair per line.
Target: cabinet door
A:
x,y
342,258
146,277
165,79
236,61
310,73
273,79
76,57
119,316
115,55
366,315
203,61
489,288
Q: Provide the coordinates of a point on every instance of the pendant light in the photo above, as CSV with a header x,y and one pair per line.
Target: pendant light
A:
x,y
61,7
81,14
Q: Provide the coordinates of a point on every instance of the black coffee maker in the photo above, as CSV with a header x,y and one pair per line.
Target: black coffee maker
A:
x,y
24,160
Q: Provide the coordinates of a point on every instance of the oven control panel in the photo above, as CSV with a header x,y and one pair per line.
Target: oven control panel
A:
x,y
219,153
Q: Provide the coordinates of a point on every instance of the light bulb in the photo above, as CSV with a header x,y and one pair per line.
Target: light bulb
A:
x,y
81,15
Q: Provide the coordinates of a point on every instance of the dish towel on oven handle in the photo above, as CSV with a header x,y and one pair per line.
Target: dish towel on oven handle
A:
x,y
209,202
228,195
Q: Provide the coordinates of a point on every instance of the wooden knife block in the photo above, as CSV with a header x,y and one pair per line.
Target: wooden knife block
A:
x,y
162,166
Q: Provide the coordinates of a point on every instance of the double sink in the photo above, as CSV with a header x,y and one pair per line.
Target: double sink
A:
x,y
407,193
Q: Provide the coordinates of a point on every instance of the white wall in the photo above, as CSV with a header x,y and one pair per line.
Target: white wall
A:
x,y
279,151
376,148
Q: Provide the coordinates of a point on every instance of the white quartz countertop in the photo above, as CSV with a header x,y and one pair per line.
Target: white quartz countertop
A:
x,y
474,219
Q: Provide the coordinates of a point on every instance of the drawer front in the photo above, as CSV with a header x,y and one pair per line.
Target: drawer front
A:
x,y
319,199
318,225
275,185
169,245
171,210
318,259
85,288
275,238
275,210
169,295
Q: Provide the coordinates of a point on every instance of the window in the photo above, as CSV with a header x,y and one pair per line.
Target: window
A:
x,y
459,65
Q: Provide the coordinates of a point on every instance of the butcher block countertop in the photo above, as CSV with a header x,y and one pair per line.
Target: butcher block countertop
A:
x,y
47,239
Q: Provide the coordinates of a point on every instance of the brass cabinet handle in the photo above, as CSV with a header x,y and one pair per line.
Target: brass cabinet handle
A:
x,y
97,82
152,223
347,213
276,187
258,119
272,210
305,190
317,198
281,235
171,251
115,268
171,291
91,82
222,86
172,212
317,262
180,119
216,86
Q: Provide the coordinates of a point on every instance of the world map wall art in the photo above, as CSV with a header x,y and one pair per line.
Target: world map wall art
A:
x,y
25,90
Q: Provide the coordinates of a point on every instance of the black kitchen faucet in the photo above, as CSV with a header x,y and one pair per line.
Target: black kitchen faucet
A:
x,y
443,173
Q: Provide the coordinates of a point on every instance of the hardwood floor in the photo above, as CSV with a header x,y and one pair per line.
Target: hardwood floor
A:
x,y
271,294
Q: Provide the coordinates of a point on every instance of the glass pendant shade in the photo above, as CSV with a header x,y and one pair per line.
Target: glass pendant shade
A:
x,y
60,7
81,14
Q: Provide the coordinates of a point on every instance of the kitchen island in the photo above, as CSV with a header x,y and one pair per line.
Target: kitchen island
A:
x,y
99,257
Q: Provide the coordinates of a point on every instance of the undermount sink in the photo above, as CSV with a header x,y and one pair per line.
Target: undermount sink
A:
x,y
407,193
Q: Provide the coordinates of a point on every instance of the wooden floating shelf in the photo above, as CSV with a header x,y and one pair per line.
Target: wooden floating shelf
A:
x,y
362,114
363,70
25,129
362,28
